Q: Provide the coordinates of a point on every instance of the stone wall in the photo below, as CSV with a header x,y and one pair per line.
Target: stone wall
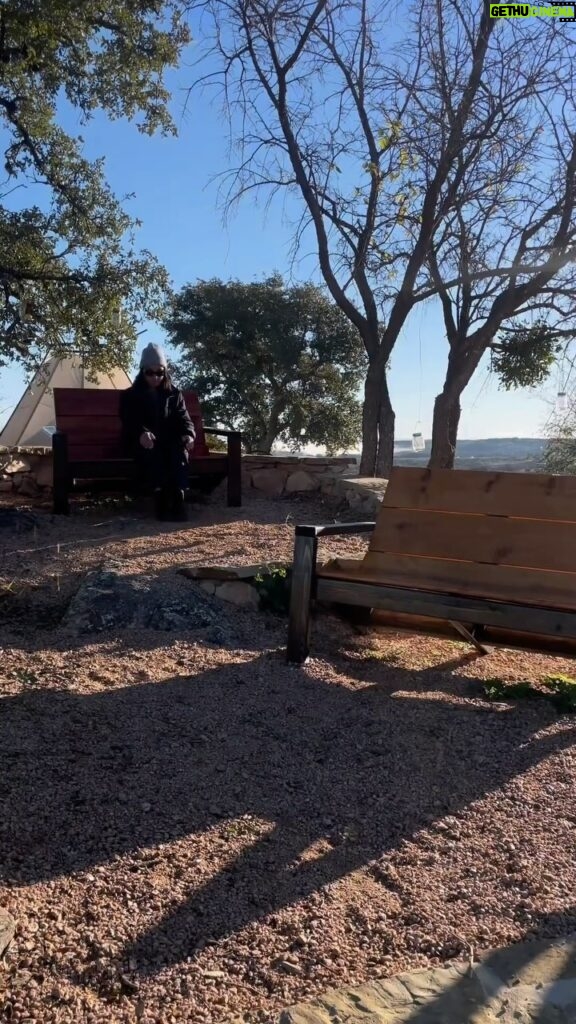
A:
x,y
28,471
275,475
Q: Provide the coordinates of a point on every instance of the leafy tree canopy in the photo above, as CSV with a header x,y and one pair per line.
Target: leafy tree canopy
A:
x,y
67,255
282,364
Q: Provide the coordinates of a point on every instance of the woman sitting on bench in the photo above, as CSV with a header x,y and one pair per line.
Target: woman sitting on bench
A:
x,y
158,434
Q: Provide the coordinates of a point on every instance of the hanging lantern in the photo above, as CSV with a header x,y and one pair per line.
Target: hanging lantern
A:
x,y
117,317
561,402
418,442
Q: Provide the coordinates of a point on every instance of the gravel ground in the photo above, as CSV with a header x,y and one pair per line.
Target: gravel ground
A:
x,y
195,834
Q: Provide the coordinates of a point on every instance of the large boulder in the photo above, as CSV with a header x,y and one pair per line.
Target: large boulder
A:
x,y
269,481
110,600
301,481
236,592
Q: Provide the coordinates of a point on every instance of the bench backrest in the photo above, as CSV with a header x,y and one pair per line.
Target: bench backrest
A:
x,y
90,417
507,536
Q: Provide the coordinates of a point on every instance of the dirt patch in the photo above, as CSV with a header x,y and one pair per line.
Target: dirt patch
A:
x,y
193,833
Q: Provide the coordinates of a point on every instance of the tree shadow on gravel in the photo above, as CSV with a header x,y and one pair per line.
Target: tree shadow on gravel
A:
x,y
86,778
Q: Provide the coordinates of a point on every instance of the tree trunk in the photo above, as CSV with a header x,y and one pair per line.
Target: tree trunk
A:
x,y
386,424
445,430
377,420
370,417
462,364
265,441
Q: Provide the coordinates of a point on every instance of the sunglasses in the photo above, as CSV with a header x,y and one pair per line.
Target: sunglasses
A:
x,y
154,373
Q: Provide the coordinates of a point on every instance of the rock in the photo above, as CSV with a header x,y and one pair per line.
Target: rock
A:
x,y
7,929
27,485
208,587
270,481
224,572
17,466
221,636
301,481
238,593
288,968
43,472
109,600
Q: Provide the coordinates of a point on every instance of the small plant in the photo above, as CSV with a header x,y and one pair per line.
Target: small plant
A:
x,y
564,690
558,690
274,590
497,689
25,676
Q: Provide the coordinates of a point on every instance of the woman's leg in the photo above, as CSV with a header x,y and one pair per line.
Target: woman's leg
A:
x,y
174,482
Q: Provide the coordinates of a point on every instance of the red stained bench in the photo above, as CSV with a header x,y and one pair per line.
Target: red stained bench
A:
x,y
87,448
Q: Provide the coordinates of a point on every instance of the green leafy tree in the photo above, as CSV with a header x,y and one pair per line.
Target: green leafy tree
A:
x,y
68,261
281,364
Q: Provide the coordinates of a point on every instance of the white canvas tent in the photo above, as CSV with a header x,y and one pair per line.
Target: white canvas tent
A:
x,y
32,421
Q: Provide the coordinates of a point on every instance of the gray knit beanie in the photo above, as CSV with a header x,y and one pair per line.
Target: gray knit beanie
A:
x,y
153,355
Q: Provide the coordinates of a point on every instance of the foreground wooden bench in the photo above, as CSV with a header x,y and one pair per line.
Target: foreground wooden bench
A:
x,y
494,554
87,448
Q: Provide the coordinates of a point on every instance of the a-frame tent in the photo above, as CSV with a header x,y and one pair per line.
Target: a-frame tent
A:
x,y
32,421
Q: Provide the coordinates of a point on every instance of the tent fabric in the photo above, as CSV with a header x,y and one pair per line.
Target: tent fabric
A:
x,y
33,420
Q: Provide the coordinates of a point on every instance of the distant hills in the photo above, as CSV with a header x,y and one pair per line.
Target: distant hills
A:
x,y
508,454
512,454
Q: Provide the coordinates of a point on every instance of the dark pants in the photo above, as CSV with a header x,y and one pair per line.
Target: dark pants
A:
x,y
163,466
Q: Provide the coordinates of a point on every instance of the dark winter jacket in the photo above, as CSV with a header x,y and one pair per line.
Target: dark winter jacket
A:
x,y
159,410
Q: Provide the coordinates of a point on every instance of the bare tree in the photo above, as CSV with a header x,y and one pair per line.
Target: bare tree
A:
x,y
506,248
379,137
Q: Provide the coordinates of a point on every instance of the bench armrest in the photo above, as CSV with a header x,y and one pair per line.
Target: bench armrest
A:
x,y
334,529
222,433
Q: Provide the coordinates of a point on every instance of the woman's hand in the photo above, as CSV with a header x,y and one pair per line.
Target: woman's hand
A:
x,y
147,439
189,443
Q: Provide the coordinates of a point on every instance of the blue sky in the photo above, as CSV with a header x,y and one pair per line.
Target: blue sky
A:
x,y
182,225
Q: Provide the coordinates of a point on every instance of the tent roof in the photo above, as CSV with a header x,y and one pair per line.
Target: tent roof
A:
x,y
32,420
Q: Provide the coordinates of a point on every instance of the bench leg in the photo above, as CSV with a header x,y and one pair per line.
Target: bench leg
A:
x,y
305,551
235,471
468,635
60,488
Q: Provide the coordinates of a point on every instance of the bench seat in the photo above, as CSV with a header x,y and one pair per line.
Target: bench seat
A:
x,y
478,550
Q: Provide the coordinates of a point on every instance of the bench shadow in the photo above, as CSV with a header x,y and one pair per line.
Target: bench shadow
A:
x,y
85,778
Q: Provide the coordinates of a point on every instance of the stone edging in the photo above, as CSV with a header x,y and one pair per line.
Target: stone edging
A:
x,y
530,983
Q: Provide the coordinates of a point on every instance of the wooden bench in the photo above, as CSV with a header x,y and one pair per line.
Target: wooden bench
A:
x,y
87,448
493,554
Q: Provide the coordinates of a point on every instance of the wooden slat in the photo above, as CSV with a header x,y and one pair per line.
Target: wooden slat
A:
x,y
531,543
534,495
95,452
494,582
525,618
86,402
87,431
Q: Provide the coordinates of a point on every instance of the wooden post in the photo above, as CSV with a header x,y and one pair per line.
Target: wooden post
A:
x,y
234,470
60,482
303,571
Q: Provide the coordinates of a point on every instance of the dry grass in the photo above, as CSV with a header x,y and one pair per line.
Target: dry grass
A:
x,y
192,834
